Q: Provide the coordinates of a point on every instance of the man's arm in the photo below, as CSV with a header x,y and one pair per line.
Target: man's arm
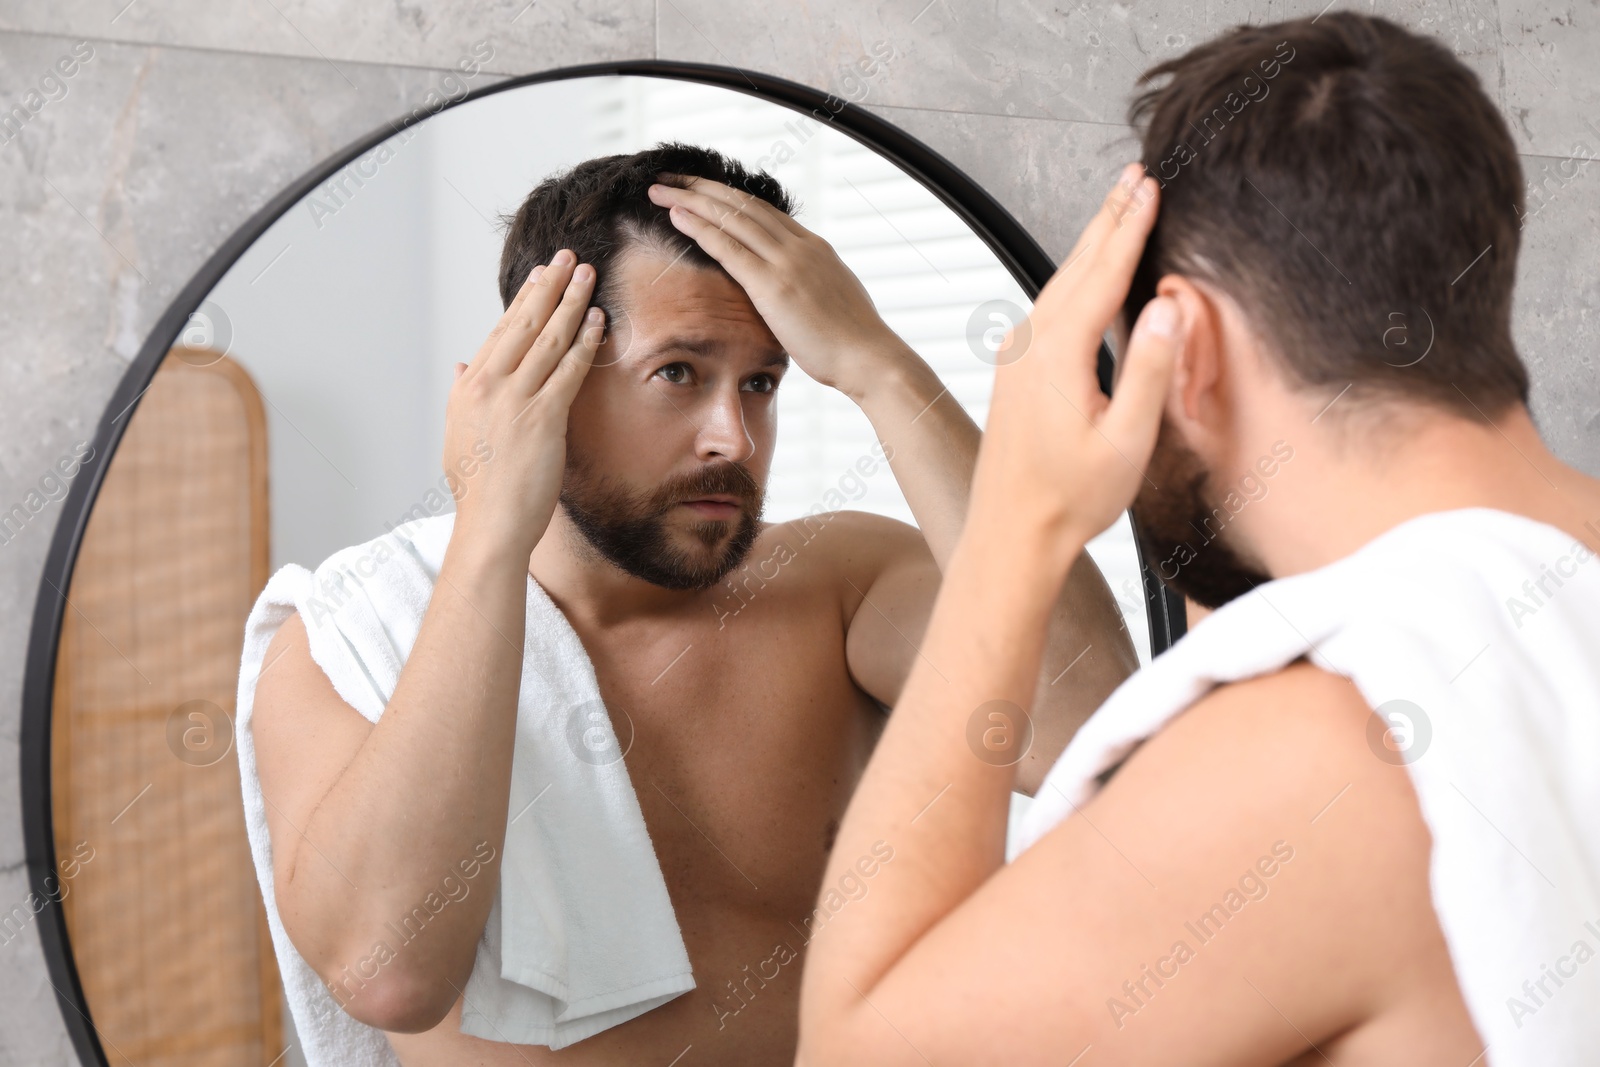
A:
x,y
954,950
366,819
1251,884
1044,482
932,446
825,320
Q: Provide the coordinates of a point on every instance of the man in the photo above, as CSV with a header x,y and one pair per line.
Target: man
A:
x,y
1253,876
754,697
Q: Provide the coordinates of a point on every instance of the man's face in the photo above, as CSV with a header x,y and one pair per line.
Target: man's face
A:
x,y
1177,519
670,437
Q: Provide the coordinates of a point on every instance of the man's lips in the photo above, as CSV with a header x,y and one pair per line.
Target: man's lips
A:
x,y
716,506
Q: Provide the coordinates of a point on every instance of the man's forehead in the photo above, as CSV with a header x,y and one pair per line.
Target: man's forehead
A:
x,y
675,304
644,277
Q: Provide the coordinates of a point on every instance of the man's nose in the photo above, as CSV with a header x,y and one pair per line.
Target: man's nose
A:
x,y
723,434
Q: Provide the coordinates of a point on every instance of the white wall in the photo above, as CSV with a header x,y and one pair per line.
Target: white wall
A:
x,y
329,313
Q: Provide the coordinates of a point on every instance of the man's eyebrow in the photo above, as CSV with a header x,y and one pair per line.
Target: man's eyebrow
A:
x,y
701,347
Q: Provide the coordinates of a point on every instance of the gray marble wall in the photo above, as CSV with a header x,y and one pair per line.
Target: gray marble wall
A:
x,y
190,114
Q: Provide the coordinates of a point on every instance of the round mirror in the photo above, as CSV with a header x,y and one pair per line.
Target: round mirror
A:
x,y
292,403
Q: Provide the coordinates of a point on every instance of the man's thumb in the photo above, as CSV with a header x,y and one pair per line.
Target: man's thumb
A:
x,y
1134,413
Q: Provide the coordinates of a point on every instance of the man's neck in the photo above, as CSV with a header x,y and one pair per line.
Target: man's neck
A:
x,y
1338,493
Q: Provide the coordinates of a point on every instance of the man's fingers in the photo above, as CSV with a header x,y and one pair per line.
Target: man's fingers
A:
x,y
1108,250
506,316
728,217
718,243
776,222
1129,195
529,323
1132,217
1133,416
540,358
569,374
1089,288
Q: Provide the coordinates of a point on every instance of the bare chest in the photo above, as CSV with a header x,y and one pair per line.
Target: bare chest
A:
x,y
744,738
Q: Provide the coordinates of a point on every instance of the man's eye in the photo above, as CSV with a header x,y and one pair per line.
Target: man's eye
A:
x,y
676,373
764,383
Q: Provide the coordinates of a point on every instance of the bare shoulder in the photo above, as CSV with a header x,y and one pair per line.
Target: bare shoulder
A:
x,y
295,702
852,548
1300,705
847,535
1291,752
284,674
1250,888
1273,796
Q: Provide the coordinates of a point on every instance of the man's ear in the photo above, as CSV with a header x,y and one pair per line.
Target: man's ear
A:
x,y
1198,370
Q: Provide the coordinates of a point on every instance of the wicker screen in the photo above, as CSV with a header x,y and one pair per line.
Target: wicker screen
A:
x,y
161,901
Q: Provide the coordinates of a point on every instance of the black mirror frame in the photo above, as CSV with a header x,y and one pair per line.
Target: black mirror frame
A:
x,y
1016,249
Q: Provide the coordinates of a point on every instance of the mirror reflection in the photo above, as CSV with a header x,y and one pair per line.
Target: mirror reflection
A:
x,y
578,633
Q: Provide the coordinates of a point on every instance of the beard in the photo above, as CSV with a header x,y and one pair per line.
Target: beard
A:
x,y
1178,527
628,527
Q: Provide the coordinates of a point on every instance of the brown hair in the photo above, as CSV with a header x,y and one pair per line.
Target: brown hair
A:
x,y
601,206
1351,186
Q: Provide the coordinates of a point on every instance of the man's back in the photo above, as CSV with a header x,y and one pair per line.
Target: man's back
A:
x,y
1334,886
1266,790
1254,884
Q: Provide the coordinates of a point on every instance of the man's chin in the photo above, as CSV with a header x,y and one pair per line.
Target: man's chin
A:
x,y
677,548
692,547
703,552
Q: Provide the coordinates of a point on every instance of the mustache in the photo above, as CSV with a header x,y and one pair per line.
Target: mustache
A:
x,y
730,478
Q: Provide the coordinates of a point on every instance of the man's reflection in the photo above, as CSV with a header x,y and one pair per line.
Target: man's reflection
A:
x,y
749,732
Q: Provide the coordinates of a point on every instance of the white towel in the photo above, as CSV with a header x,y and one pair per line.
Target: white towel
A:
x,y
581,934
1505,756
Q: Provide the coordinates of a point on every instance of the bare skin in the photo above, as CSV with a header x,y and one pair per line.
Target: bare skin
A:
x,y
958,957
750,728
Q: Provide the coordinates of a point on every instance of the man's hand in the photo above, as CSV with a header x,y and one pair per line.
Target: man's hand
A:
x,y
514,397
816,308
1058,453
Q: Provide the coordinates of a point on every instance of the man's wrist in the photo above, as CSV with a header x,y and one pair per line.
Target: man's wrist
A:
x,y
477,546
890,368
1021,542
